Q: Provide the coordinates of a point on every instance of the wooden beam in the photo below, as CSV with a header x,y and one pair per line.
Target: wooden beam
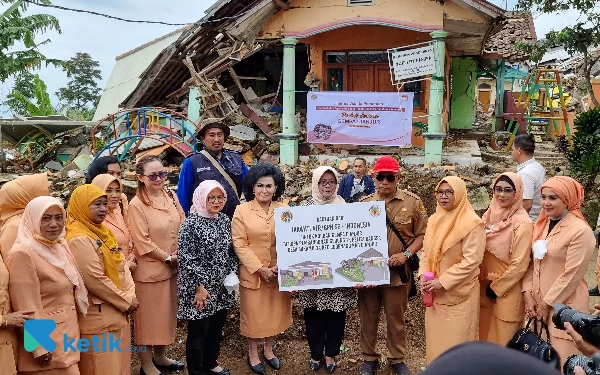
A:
x,y
254,78
238,84
258,121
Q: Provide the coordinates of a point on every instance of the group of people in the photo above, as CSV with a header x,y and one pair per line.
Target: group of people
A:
x,y
166,256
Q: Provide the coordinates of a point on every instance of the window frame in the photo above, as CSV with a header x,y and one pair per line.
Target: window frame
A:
x,y
345,72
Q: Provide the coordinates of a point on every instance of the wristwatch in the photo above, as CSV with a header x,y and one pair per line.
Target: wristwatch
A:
x,y
408,254
168,260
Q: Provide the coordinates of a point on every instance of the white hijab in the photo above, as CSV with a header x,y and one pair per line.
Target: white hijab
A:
x,y
316,195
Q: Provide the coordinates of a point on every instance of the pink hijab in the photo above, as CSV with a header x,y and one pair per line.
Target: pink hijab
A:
x,y
500,223
56,252
200,195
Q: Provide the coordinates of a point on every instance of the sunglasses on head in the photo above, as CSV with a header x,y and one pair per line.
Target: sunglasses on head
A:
x,y
390,177
155,176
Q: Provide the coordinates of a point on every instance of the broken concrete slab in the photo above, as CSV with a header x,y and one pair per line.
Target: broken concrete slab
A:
x,y
242,132
479,198
53,165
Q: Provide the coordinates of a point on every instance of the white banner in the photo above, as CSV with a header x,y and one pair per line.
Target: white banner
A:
x,y
360,118
317,249
411,63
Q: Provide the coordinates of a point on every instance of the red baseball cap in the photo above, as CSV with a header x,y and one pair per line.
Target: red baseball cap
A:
x,y
386,164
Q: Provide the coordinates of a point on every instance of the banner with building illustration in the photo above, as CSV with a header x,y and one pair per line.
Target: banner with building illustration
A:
x,y
360,118
331,246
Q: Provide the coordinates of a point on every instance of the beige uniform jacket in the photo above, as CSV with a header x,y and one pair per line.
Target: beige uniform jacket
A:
x,y
253,233
407,213
459,267
559,277
108,303
154,227
8,234
8,337
37,285
506,278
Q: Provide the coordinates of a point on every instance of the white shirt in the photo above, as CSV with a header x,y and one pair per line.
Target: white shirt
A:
x,y
533,175
357,187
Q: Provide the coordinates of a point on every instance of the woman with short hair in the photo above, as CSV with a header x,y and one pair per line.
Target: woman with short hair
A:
x,y
264,310
453,250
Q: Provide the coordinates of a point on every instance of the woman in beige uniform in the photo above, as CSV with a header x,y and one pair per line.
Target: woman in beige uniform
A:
x,y
14,196
8,322
106,276
563,244
507,254
453,250
264,310
154,219
116,223
45,279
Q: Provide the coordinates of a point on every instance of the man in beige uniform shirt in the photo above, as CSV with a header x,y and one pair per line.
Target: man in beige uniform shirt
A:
x,y
408,215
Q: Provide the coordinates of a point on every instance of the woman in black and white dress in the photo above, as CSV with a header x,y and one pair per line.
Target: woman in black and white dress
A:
x,y
206,257
325,309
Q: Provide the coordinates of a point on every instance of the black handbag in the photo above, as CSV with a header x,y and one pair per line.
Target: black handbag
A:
x,y
531,342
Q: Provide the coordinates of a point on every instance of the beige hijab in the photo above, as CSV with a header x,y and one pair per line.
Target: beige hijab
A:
x,y
446,228
57,253
500,223
316,195
16,194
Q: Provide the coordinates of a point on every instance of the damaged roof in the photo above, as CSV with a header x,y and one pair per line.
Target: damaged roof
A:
x,y
513,27
223,37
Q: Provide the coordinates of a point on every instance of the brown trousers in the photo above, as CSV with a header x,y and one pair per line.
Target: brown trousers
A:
x,y
394,300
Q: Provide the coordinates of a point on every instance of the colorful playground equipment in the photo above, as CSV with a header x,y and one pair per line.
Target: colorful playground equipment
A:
x,y
132,130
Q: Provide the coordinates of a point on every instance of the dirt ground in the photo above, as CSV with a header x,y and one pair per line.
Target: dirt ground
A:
x,y
292,348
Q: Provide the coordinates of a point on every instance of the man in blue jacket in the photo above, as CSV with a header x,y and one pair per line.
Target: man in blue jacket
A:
x,y
359,182
212,163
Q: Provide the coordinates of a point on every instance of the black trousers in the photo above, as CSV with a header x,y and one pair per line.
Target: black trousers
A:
x,y
204,342
324,331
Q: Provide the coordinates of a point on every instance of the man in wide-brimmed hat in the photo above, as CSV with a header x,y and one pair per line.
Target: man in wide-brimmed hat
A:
x,y
212,163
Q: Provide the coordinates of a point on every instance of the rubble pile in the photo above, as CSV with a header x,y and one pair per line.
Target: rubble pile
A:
x,y
483,120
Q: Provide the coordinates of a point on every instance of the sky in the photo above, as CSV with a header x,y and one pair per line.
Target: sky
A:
x,y
104,38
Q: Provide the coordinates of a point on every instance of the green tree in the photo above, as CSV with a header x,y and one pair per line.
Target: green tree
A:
x,y
39,104
82,90
578,39
15,29
24,84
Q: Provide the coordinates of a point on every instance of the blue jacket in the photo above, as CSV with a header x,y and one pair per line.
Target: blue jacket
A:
x,y
345,186
197,168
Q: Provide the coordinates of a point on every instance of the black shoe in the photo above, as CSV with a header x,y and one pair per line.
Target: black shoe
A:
x,y
274,363
594,292
400,369
330,369
368,367
174,366
257,369
314,366
222,372
144,373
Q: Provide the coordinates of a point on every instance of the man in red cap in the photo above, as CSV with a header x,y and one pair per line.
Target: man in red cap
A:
x,y
407,214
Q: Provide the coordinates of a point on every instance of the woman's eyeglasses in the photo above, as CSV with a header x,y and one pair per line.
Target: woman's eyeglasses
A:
x,y
327,182
155,176
216,199
448,193
508,190
390,177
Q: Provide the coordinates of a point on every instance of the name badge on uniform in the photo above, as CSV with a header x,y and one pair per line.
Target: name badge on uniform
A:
x,y
540,248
